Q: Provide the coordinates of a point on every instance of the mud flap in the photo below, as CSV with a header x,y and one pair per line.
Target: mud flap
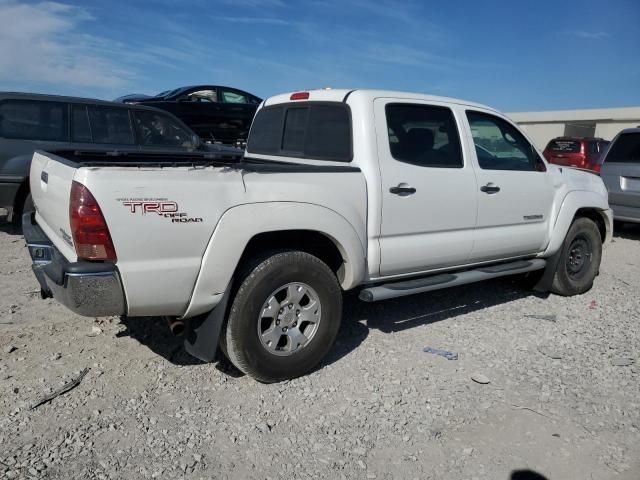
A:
x,y
545,282
203,331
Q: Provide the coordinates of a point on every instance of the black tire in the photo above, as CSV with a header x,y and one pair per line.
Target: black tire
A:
x,y
579,259
240,339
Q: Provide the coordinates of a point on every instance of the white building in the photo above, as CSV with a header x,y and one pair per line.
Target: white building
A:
x,y
598,122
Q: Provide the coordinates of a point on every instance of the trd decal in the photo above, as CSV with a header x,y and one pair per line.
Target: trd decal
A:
x,y
162,207
148,207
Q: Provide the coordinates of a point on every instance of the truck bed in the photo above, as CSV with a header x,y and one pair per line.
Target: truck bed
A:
x,y
162,211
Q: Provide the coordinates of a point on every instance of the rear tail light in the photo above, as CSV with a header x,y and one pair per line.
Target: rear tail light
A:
x,y
90,232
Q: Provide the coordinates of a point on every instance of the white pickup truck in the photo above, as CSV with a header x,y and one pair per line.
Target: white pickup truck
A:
x,y
387,192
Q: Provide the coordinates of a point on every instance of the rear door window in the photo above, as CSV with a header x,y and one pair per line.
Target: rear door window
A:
x,y
231,96
34,120
110,125
203,96
626,149
424,135
313,130
161,130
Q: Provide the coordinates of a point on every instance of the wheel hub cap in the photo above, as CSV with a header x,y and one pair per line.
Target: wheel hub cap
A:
x,y
289,319
579,256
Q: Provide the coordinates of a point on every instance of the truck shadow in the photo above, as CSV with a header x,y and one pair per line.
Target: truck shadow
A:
x,y
423,309
358,318
153,333
629,231
8,227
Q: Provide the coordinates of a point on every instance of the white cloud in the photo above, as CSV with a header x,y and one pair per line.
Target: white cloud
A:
x,y
589,35
254,3
254,20
40,44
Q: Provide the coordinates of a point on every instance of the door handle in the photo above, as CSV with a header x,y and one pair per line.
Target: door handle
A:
x,y
403,190
490,188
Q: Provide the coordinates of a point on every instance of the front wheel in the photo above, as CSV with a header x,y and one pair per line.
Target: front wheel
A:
x,y
579,259
284,318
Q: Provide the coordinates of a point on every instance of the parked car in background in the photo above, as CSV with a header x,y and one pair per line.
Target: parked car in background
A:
x,y
621,174
30,122
215,113
583,153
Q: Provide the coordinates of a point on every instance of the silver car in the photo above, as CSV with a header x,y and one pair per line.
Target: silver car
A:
x,y
621,174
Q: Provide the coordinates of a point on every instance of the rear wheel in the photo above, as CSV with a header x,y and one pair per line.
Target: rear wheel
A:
x,y
284,318
579,259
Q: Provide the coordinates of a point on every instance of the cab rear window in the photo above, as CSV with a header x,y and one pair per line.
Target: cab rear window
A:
x,y
314,130
566,146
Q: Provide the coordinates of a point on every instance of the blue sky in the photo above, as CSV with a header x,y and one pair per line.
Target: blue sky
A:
x,y
512,55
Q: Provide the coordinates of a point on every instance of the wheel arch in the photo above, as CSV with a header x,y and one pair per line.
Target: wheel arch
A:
x,y
249,229
575,205
597,216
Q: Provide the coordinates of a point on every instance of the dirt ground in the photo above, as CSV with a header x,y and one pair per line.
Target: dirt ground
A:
x,y
563,400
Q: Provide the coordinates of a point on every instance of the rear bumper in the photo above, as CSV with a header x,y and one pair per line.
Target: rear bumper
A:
x,y
86,288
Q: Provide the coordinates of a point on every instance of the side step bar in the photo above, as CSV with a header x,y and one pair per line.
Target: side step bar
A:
x,y
445,280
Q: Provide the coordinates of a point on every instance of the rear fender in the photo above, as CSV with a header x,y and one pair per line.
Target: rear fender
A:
x,y
240,224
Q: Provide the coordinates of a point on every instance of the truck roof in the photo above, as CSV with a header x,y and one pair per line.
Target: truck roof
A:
x,y
53,98
342,94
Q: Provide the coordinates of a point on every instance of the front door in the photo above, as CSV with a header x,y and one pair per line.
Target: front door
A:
x,y
515,194
429,191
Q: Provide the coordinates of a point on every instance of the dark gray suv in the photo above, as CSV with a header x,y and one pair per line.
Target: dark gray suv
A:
x,y
30,122
620,172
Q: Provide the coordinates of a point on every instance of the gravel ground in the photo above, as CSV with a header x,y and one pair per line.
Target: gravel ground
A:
x,y
562,400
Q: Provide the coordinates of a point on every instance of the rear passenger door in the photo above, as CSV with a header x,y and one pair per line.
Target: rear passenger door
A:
x,y
429,198
515,191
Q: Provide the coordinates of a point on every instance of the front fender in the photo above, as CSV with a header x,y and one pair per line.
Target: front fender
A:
x,y
240,224
574,201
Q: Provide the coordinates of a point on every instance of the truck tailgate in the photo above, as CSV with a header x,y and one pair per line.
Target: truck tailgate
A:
x,y
51,178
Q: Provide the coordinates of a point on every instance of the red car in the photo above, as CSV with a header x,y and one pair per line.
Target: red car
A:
x,y
576,152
